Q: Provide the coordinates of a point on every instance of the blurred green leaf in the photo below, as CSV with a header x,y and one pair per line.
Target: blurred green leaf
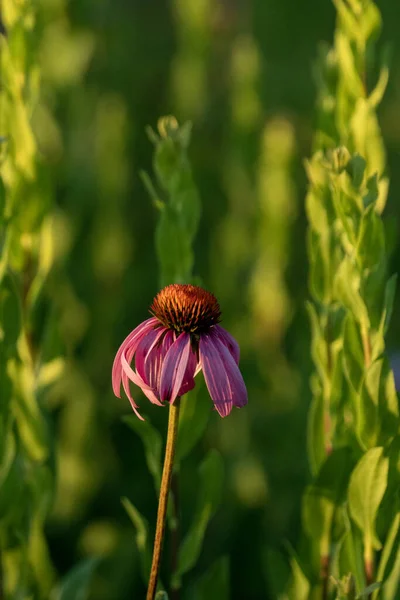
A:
x,y
2,200
351,552
372,194
299,587
142,536
316,433
152,443
30,420
391,585
371,21
347,63
173,248
356,169
378,92
366,592
347,288
193,420
213,584
208,498
390,291
353,354
10,312
366,489
371,239
76,584
389,552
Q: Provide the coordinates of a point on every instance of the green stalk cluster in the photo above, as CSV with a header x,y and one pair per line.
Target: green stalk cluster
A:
x,y
350,510
26,257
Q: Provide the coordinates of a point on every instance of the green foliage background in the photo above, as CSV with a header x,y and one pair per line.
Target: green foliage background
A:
x,y
242,73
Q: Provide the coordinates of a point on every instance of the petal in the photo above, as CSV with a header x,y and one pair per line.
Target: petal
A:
x,y
174,367
135,377
215,374
191,369
127,369
237,385
146,344
155,359
132,339
229,342
125,383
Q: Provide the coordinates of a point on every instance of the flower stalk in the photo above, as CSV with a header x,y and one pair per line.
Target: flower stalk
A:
x,y
172,435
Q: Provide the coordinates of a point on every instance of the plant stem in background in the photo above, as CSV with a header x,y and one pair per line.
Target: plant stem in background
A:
x,y
173,421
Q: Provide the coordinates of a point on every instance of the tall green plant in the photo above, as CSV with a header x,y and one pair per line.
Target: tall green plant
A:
x,y
350,510
29,352
26,478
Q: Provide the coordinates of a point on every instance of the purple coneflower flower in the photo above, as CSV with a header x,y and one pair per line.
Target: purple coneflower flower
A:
x,y
180,339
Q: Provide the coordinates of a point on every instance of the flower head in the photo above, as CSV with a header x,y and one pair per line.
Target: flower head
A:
x,y
169,349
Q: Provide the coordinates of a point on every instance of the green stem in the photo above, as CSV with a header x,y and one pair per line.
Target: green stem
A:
x,y
163,499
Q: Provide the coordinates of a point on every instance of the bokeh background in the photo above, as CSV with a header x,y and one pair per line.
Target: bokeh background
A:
x,y
242,72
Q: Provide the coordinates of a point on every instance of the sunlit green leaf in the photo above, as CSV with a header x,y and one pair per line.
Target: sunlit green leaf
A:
x,y
366,489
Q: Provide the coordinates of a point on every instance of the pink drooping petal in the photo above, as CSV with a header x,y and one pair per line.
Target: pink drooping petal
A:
x,y
125,383
155,359
229,342
174,368
191,369
146,345
135,377
215,374
127,369
237,385
131,340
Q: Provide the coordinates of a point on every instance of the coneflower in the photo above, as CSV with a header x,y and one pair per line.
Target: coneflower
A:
x,y
182,338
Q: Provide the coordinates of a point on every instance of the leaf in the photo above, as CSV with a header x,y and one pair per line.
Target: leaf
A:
x,y
390,291
371,21
372,194
366,489
10,313
351,553
316,433
353,354
356,169
2,200
209,496
213,584
391,586
75,585
390,550
142,537
366,592
347,65
299,587
152,443
347,288
276,570
173,248
192,423
378,92
371,240
321,502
